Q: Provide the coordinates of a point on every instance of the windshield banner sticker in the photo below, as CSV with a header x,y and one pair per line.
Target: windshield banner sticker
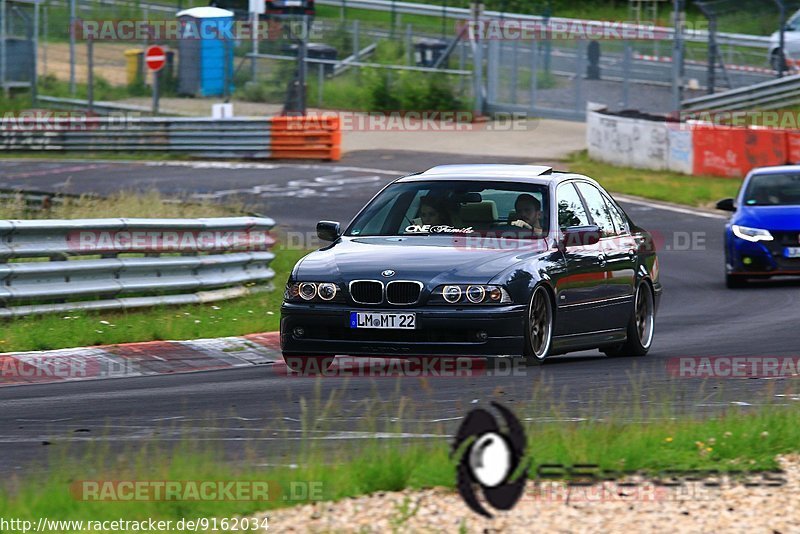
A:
x,y
436,229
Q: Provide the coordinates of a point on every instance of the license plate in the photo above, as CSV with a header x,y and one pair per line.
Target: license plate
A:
x,y
792,252
399,321
292,3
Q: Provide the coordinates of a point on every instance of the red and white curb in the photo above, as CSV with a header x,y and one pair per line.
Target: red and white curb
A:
x,y
138,359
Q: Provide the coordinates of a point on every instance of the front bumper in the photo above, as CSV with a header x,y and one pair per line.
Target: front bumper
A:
x,y
440,331
759,259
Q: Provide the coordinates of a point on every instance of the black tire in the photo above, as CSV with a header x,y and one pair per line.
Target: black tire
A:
x,y
307,364
641,325
734,281
538,327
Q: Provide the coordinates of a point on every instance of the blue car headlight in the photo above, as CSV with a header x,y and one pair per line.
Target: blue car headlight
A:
x,y
751,234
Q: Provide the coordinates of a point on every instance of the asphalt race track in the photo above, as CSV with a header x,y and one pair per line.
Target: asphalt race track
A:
x,y
259,408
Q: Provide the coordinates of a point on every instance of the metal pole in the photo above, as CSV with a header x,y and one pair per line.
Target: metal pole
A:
x,y
35,75
44,41
156,76
320,83
534,74
254,20
3,55
72,47
444,17
343,12
514,68
409,44
782,40
626,81
677,57
303,74
477,72
90,73
227,74
356,45
712,53
392,21
580,105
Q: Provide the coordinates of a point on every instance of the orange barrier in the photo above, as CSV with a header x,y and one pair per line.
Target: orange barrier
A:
x,y
307,137
793,147
733,152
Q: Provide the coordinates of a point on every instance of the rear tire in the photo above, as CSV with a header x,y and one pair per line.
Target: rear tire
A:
x,y
307,364
538,327
641,325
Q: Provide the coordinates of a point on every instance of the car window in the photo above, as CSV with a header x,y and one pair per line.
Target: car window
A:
x,y
598,209
620,221
453,207
570,207
773,189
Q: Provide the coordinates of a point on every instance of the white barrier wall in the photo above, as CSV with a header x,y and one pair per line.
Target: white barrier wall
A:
x,y
681,150
638,143
628,142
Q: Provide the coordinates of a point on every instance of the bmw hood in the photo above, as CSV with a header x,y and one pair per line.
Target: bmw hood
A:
x,y
429,259
769,217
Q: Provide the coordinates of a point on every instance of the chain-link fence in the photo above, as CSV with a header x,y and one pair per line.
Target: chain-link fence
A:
x,y
396,61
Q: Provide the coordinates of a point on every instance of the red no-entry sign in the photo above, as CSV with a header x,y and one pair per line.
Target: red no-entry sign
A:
x,y
155,58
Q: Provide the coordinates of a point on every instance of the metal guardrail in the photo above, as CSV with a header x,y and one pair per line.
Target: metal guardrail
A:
x,y
244,137
101,107
237,137
772,94
100,264
432,10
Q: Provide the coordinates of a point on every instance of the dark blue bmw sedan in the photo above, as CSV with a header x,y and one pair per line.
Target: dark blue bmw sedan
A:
x,y
762,238
476,260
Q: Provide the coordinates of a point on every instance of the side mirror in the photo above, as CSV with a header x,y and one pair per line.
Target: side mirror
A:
x,y
328,230
726,204
581,236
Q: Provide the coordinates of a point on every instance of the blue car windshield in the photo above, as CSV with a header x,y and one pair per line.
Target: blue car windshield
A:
x,y
456,207
773,190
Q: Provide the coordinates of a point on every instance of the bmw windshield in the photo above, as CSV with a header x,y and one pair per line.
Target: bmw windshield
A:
x,y
456,207
780,189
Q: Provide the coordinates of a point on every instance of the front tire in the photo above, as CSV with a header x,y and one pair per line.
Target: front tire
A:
x,y
641,325
539,327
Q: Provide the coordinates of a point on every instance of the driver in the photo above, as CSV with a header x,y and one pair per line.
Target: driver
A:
x,y
529,213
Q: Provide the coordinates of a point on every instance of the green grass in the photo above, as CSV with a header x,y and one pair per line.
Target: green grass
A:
x,y
736,440
700,191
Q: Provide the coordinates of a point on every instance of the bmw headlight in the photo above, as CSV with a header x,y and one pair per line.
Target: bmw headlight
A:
x,y
470,294
751,234
311,291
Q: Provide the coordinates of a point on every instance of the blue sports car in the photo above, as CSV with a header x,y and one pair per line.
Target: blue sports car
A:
x,y
762,238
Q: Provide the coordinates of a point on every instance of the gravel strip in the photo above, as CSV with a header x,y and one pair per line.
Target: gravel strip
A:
x,y
691,508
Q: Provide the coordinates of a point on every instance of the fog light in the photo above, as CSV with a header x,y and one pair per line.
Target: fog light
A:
x,y
747,261
482,336
298,331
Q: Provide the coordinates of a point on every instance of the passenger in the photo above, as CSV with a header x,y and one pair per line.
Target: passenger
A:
x,y
529,213
433,211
